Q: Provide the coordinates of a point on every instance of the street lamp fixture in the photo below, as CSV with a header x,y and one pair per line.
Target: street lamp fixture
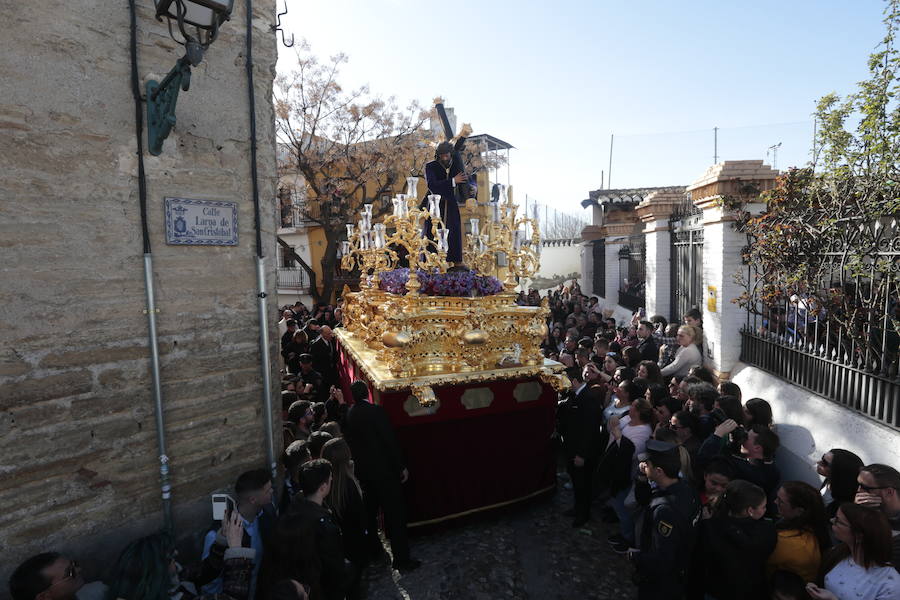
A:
x,y
198,21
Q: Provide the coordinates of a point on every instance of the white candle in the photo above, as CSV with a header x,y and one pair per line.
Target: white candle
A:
x,y
412,185
443,241
517,240
434,205
345,248
349,230
496,209
474,224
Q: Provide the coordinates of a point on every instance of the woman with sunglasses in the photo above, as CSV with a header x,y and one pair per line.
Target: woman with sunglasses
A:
x,y
840,468
860,566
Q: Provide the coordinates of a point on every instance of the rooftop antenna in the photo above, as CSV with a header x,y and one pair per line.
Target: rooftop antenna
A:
x,y
715,145
774,150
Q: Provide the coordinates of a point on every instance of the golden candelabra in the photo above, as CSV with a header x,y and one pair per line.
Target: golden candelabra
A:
x,y
420,232
415,340
503,242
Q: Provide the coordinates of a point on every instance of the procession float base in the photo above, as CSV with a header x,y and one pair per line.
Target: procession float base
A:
x,y
473,440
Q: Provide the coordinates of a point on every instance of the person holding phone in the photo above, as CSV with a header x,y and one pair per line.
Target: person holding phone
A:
x,y
148,565
253,491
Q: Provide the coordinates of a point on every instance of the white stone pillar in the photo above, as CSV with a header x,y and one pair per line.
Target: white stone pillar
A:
x,y
659,275
611,257
722,244
655,211
586,250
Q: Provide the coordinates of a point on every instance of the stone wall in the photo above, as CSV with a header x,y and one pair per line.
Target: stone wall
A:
x,y
78,450
808,426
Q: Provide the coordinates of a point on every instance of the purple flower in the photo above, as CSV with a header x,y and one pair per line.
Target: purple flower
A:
x,y
464,284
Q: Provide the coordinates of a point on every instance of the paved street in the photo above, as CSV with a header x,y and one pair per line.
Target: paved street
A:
x,y
526,553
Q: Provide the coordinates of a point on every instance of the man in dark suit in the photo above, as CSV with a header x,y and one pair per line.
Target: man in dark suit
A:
x,y
579,418
443,178
288,335
646,342
324,356
380,471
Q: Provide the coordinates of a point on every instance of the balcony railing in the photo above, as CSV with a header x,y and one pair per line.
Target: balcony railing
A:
x,y
293,278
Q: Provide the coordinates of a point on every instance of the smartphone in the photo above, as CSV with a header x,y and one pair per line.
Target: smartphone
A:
x,y
222,504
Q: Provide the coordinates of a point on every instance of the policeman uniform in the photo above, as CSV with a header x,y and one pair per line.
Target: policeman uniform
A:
x,y
665,534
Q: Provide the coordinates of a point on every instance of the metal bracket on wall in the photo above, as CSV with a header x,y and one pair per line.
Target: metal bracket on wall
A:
x,y
277,27
161,100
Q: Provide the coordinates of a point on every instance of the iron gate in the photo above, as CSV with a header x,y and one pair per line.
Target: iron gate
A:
x,y
686,227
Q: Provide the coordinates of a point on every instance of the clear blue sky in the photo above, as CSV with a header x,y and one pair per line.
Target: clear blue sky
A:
x,y
556,79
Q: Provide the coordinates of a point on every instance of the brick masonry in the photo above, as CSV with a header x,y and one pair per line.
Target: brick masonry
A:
x,y
79,470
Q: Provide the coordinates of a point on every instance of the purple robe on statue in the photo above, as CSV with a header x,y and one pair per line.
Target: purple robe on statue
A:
x,y
440,182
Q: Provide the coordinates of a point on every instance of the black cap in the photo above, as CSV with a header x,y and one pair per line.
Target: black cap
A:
x,y
657,450
306,358
658,446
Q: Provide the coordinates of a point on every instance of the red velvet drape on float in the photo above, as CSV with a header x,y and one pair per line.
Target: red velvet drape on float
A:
x,y
464,461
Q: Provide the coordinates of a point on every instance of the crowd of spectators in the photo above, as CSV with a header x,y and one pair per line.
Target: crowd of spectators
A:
x,y
312,537
685,467
680,463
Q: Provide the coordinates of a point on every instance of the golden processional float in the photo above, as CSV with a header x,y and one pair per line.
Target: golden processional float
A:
x,y
420,327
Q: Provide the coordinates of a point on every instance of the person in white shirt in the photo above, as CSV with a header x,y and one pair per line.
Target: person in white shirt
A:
x,y
688,355
861,564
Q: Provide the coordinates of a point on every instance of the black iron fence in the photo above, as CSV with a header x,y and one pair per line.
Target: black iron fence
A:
x,y
837,337
632,273
837,379
598,250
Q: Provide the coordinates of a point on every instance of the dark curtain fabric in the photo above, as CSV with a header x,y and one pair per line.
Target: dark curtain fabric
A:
x,y
461,459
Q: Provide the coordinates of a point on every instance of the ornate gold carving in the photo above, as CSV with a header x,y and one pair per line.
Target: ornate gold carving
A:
x,y
378,373
402,341
558,381
416,335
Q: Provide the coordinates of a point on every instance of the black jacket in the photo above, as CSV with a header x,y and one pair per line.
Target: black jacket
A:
x,y
352,522
762,473
666,535
648,349
730,562
373,444
321,552
579,418
324,355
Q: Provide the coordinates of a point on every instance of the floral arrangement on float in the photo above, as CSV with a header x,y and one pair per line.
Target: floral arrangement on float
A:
x,y
465,284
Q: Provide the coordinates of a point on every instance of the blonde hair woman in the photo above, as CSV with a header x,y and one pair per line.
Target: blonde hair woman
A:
x,y
688,354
